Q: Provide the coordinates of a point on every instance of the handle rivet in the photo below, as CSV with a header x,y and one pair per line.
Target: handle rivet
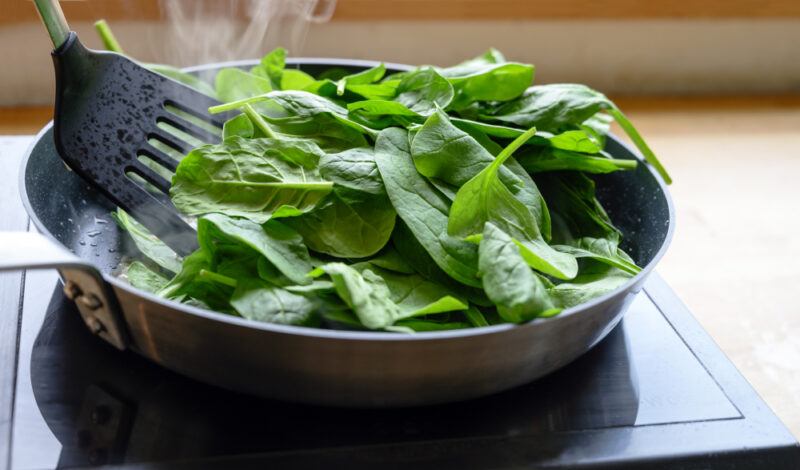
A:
x,y
95,325
90,301
72,291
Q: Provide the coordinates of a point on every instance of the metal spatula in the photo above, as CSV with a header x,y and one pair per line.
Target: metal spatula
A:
x,y
107,112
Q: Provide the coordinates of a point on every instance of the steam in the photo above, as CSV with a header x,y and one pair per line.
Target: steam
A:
x,y
205,31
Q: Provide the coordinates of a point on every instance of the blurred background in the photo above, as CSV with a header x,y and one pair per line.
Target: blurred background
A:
x,y
712,85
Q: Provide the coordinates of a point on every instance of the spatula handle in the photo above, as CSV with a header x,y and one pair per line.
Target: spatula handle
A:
x,y
54,21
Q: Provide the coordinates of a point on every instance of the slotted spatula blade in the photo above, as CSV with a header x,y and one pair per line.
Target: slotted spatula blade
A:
x,y
109,127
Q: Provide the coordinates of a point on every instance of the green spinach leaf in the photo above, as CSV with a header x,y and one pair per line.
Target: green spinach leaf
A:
x,y
517,291
422,208
241,177
256,300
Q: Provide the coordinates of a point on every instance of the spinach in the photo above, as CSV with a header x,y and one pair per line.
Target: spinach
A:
x,y
484,198
559,107
593,283
487,78
279,244
415,255
365,77
542,159
365,292
422,208
508,280
346,229
357,219
236,84
424,91
415,295
393,202
142,277
442,151
296,80
272,67
238,178
147,243
301,107
256,300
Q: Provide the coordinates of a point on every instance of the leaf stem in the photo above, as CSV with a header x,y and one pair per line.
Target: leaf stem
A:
x,y
259,121
637,139
219,278
109,40
514,145
221,108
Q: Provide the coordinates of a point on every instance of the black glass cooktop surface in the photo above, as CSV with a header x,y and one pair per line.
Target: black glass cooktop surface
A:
x,y
656,391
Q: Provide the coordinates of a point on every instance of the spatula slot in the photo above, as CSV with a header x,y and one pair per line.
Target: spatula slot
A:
x,y
212,122
149,175
177,148
157,157
177,136
192,129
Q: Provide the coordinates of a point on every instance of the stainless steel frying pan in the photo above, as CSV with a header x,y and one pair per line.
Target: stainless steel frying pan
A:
x,y
342,368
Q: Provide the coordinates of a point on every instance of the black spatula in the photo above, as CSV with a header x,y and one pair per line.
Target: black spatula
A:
x,y
107,112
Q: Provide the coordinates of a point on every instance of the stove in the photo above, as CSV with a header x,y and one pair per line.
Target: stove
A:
x,y
656,393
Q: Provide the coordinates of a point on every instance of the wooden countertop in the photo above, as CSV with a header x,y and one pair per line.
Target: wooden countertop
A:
x,y
734,258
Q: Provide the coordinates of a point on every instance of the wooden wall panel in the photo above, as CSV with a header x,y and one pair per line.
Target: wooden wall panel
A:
x,y
18,11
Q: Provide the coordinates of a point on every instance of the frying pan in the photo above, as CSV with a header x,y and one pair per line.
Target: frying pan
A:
x,y
308,365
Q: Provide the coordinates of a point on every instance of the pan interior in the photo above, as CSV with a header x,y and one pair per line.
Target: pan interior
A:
x,y
79,217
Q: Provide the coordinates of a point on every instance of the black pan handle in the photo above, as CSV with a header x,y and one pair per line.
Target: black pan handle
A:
x,y
83,283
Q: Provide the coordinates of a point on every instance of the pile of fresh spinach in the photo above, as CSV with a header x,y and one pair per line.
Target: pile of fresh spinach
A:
x,y
431,199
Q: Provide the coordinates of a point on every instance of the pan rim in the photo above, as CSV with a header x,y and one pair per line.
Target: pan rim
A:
x,y
351,335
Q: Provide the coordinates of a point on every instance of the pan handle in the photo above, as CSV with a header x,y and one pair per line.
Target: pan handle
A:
x,y
83,283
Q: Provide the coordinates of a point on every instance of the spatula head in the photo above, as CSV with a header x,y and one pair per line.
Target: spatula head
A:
x,y
110,116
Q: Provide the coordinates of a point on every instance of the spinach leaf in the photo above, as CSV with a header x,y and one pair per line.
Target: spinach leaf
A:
x,y
588,285
281,245
420,93
442,151
271,67
256,300
241,178
577,212
543,159
415,295
559,107
300,107
422,208
366,293
147,243
605,250
391,260
241,126
424,91
354,174
236,84
357,220
581,225
345,228
517,291
415,255
364,77
385,90
487,78
193,282
484,198
292,79
143,278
